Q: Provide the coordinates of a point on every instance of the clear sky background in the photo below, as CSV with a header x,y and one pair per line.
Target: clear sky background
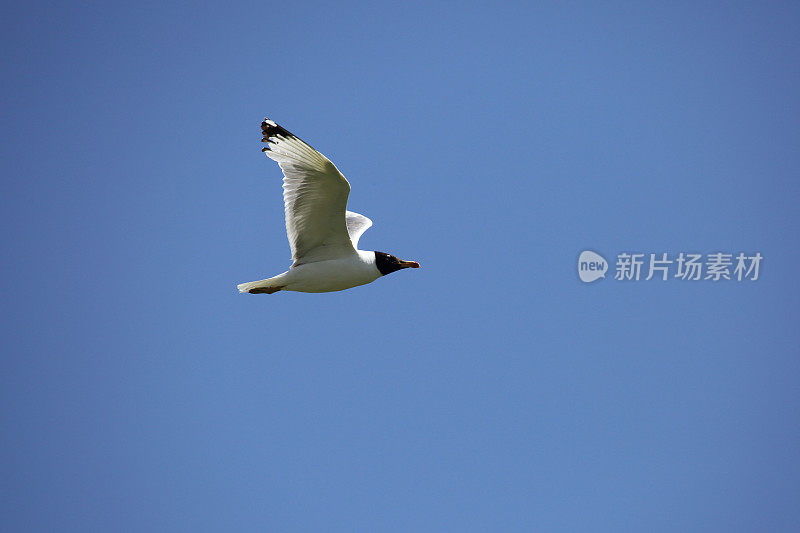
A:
x,y
489,390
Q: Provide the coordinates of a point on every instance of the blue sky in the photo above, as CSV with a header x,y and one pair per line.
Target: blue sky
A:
x,y
490,390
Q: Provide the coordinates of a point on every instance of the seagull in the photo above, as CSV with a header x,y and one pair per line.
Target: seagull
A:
x,y
323,235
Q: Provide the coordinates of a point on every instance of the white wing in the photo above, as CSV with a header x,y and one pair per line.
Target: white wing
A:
x,y
356,226
314,196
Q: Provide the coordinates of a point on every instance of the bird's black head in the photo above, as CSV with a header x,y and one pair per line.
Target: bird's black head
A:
x,y
388,263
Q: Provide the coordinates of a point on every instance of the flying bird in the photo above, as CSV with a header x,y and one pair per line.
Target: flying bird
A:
x,y
323,235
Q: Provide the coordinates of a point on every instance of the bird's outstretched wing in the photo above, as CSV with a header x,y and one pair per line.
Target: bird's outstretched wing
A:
x,y
314,196
356,226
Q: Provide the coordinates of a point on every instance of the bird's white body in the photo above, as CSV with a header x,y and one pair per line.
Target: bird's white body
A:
x,y
323,276
323,235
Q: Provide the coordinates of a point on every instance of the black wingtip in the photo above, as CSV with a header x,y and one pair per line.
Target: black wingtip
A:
x,y
270,129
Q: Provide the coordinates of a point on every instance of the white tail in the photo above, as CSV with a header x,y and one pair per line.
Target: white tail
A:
x,y
264,286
